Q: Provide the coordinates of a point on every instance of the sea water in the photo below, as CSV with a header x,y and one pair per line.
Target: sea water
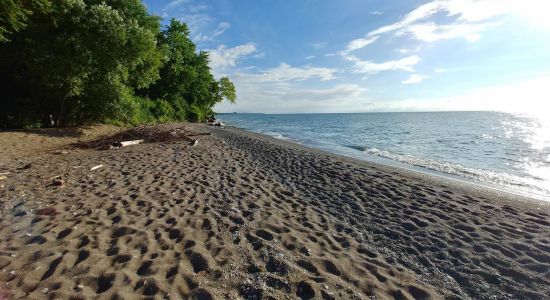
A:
x,y
498,149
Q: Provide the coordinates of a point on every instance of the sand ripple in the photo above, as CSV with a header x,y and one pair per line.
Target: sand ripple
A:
x,y
242,217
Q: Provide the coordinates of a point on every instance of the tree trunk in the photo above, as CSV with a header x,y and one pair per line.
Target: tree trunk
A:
x,y
61,120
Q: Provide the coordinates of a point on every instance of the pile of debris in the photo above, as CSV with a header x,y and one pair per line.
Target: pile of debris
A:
x,y
141,134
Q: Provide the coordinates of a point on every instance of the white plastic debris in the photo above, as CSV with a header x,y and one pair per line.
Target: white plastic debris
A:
x,y
96,167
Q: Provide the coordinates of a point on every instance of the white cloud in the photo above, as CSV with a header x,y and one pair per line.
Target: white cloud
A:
x,y
285,72
376,12
466,19
469,20
198,18
310,57
223,57
440,70
172,4
414,78
371,68
430,32
529,97
289,98
221,28
318,45
357,44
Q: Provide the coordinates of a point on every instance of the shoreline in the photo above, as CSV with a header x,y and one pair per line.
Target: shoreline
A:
x,y
433,176
242,215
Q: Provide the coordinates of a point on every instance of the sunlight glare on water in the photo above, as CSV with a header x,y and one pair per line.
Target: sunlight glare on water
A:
x,y
538,137
508,150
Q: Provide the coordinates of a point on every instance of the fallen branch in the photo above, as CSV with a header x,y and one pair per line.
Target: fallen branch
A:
x,y
142,134
127,143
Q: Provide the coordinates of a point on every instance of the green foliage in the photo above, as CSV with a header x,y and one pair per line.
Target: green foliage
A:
x,y
70,62
15,13
227,90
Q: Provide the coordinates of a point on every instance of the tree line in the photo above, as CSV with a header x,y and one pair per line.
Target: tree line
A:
x,y
74,62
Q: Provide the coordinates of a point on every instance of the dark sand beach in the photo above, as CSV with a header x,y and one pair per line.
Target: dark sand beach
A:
x,y
241,215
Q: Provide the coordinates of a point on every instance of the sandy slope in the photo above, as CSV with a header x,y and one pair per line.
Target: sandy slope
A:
x,y
20,143
246,216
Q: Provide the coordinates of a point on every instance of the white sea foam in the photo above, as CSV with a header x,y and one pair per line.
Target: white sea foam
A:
x,y
277,135
503,179
495,148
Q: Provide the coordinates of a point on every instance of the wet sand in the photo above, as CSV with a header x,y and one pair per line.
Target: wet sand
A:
x,y
242,215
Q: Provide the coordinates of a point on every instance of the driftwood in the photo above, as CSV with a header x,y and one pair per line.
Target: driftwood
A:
x,y
142,134
127,143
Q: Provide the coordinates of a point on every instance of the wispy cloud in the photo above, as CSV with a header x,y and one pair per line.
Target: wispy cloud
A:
x,y
432,32
197,17
223,57
371,68
357,44
414,78
221,28
376,12
173,4
274,97
285,72
318,45
499,97
465,19
310,57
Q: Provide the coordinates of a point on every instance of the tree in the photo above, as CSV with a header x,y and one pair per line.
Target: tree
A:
x,y
14,15
82,59
186,79
227,90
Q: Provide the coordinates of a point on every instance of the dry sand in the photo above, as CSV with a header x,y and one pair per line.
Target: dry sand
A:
x,y
20,143
246,216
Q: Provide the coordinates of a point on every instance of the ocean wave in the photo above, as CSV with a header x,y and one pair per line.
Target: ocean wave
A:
x,y
277,135
355,147
503,179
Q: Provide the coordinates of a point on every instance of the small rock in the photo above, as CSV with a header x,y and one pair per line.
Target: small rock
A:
x,y
48,211
44,290
305,251
61,152
3,177
58,182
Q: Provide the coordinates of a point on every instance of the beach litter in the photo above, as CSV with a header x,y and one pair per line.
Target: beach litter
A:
x,y
127,143
96,167
216,123
61,152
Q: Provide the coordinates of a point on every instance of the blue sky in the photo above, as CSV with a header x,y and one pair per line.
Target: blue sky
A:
x,y
360,55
